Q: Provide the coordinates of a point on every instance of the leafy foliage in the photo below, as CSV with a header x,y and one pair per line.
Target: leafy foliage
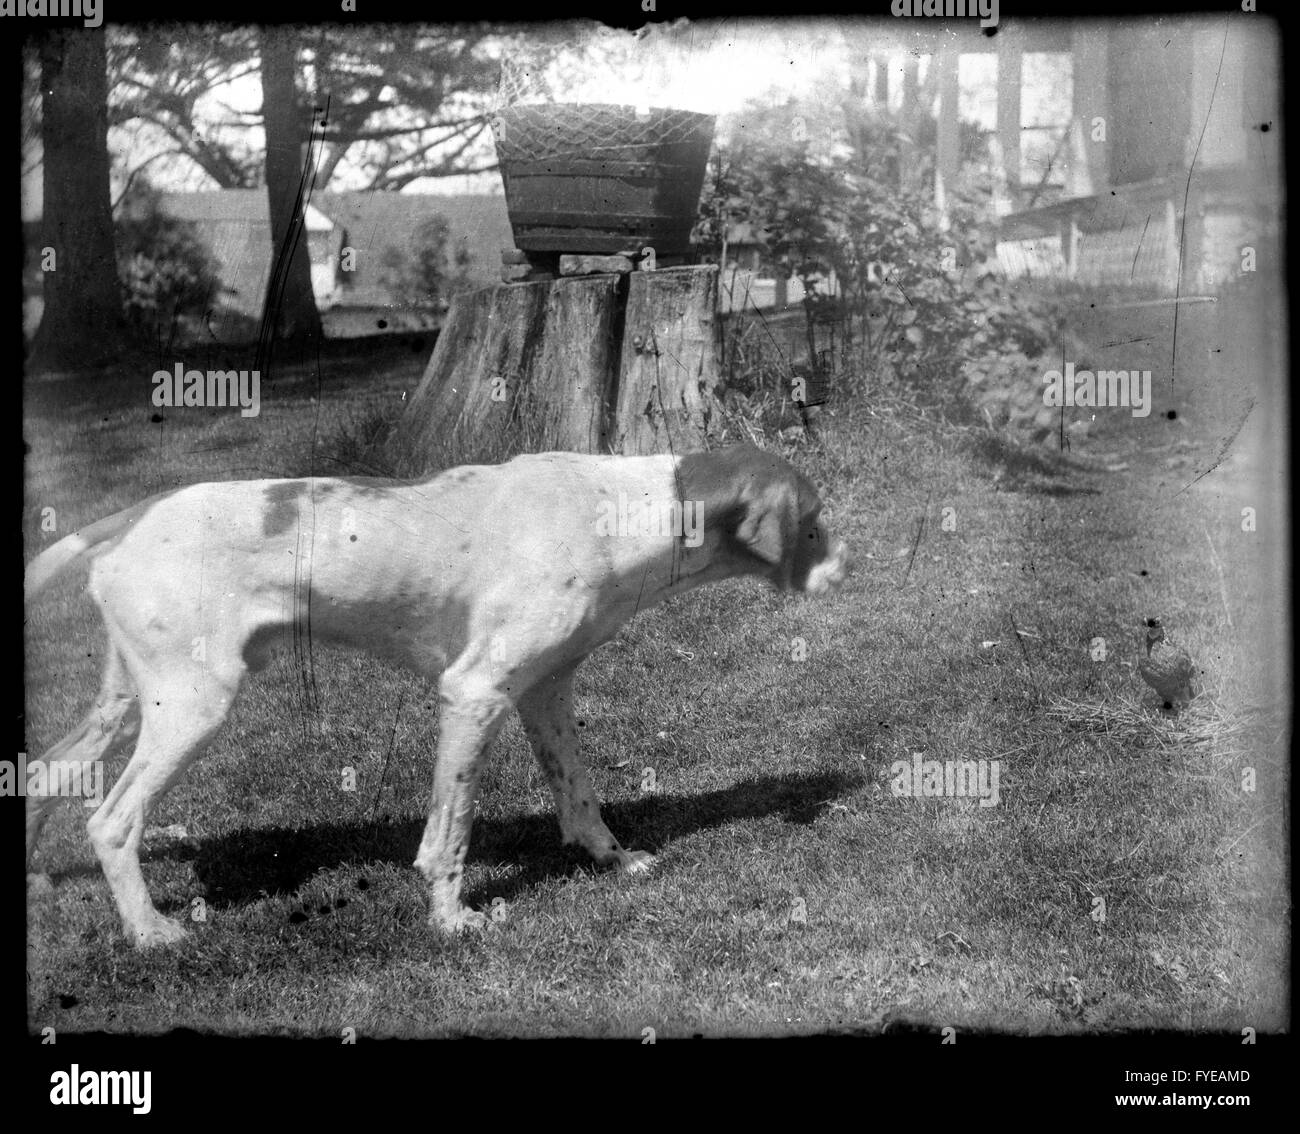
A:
x,y
430,272
908,299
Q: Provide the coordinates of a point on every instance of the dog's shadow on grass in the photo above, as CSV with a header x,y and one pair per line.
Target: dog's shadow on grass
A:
x,y
1025,468
244,865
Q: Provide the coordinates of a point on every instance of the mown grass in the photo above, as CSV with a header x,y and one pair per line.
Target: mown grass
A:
x,y
794,891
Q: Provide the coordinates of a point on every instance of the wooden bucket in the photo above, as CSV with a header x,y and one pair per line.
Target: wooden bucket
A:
x,y
599,178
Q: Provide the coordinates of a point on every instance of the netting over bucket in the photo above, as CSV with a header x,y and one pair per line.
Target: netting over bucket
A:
x,y
598,130
527,81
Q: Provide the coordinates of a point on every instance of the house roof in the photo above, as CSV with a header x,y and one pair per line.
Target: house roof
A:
x,y
237,205
382,223
235,225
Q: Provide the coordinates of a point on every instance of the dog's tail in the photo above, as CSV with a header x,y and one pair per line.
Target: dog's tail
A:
x,y
87,543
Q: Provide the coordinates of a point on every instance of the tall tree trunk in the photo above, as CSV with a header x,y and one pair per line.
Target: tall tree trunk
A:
x,y
289,311
82,324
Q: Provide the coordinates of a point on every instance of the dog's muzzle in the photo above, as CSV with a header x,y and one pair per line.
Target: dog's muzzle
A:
x,y
827,575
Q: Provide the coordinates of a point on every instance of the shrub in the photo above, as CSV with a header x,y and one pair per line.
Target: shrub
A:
x,y
912,302
428,274
166,271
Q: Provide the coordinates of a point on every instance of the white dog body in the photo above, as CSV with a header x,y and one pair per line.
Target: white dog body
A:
x,y
495,580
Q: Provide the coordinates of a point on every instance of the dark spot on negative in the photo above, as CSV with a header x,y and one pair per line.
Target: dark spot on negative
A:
x,y
352,539
282,500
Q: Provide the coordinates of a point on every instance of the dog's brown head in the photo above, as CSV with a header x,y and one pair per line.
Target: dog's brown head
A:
x,y
765,514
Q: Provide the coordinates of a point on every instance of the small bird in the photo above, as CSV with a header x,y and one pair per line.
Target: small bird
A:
x,y
1166,668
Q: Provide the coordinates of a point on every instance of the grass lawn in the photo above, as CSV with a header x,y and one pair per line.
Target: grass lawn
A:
x,y
1124,880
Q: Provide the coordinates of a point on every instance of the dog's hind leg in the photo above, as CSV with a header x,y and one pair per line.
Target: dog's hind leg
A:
x,y
547,713
181,710
112,723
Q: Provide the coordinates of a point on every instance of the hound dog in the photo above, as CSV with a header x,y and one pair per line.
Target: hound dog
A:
x,y
495,580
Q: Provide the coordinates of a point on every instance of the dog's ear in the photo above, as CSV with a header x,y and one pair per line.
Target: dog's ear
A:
x,y
769,525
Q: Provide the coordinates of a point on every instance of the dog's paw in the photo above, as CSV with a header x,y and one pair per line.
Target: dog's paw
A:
x,y
636,862
462,920
158,930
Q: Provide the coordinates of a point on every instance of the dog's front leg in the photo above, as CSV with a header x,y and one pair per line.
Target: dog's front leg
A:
x,y
547,712
472,712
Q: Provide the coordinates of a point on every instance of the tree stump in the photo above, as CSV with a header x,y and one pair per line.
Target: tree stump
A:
x,y
668,370
518,368
590,364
